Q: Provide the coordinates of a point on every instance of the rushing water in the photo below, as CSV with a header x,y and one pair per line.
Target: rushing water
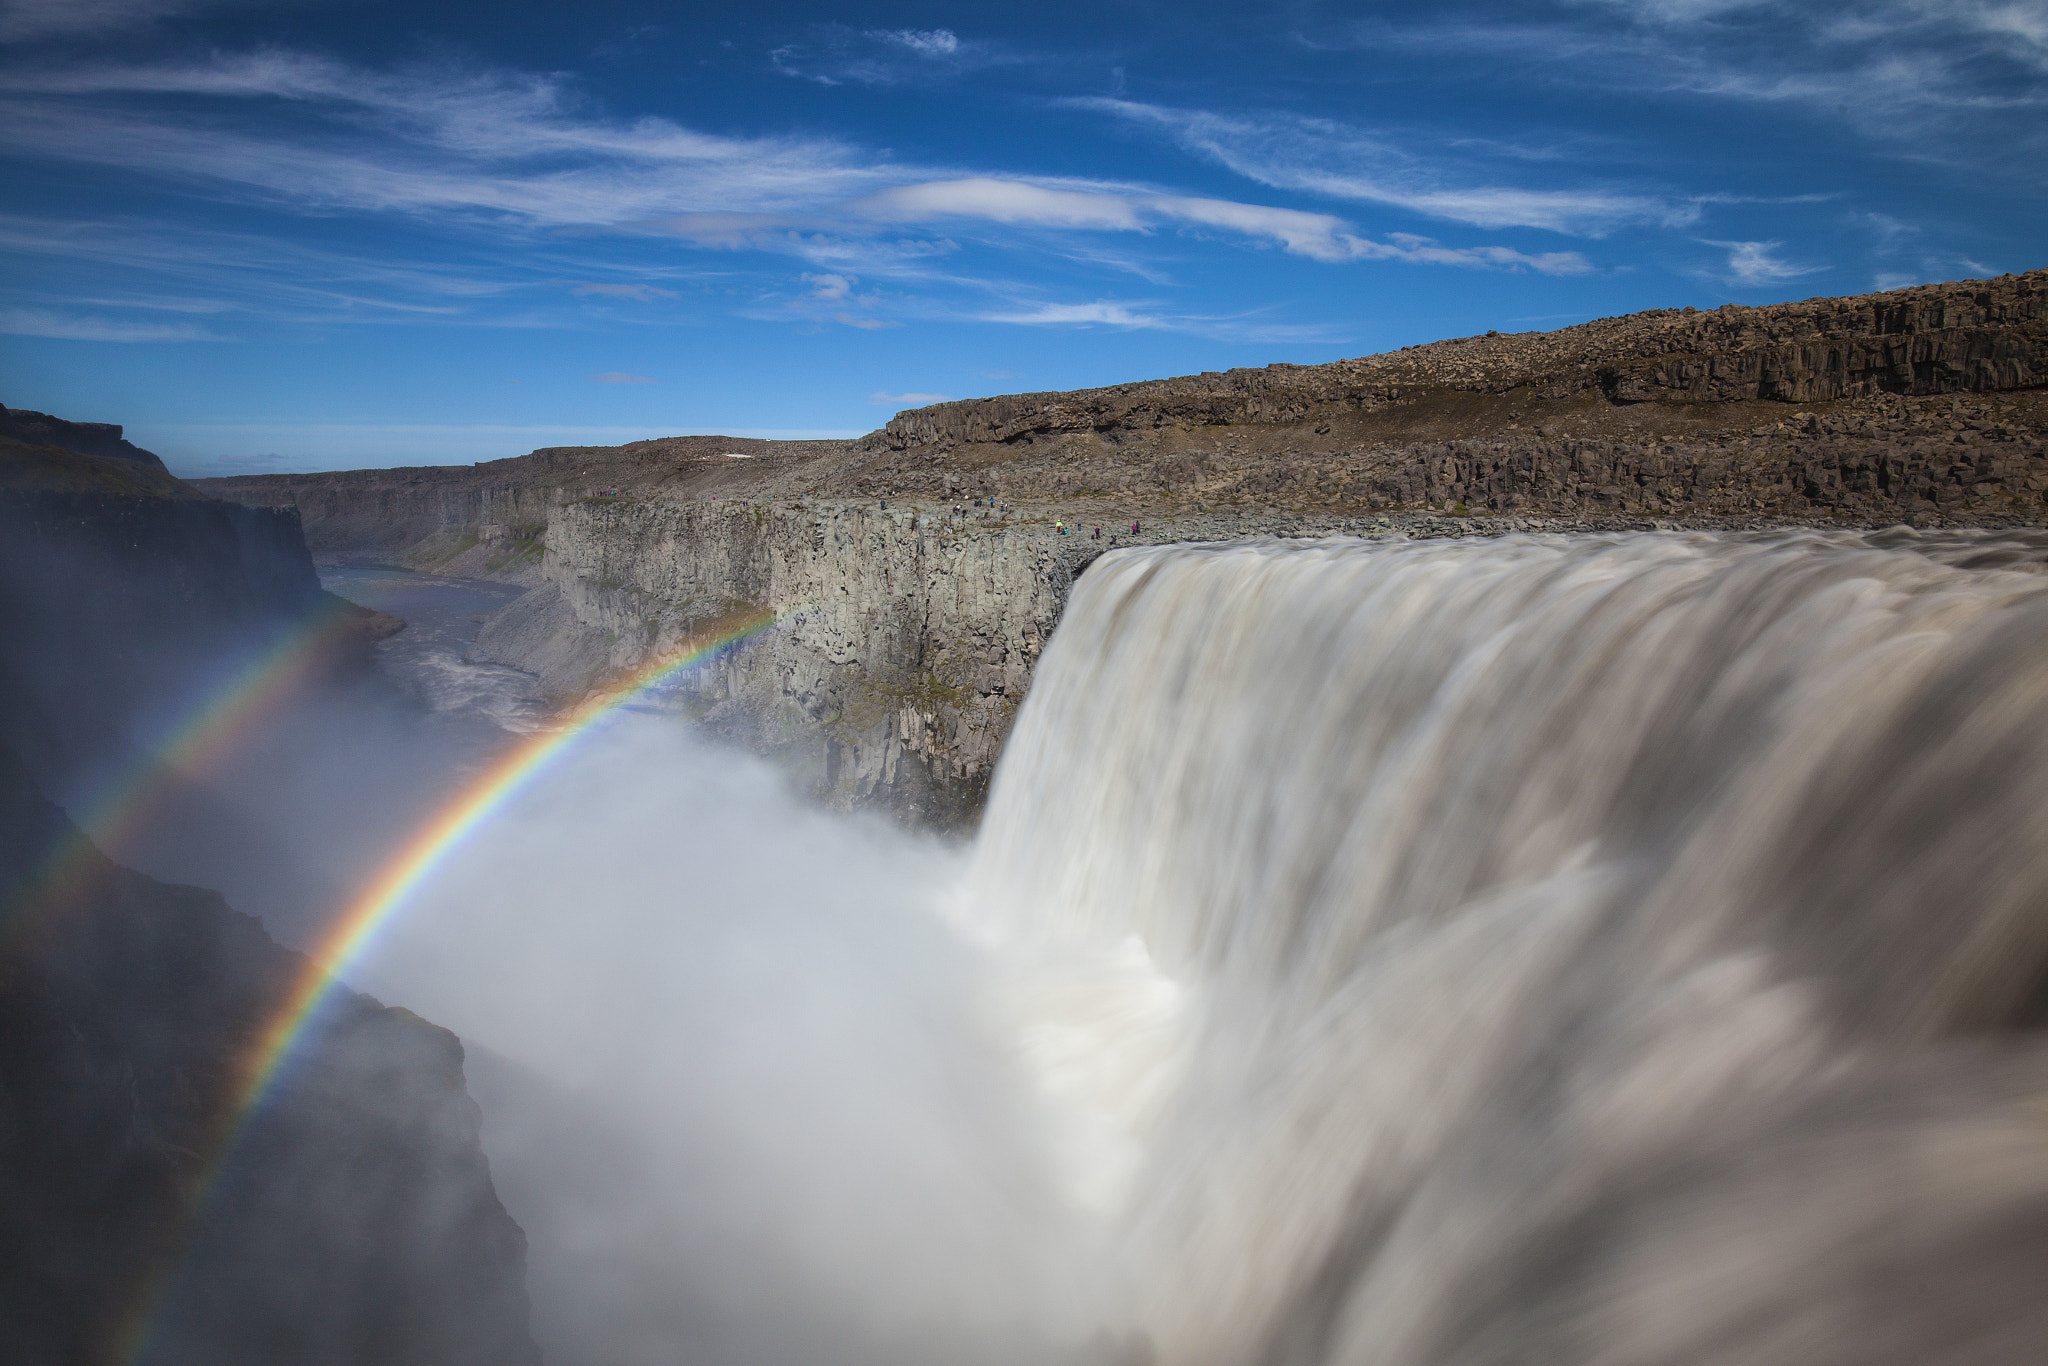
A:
x,y
1613,949
1616,949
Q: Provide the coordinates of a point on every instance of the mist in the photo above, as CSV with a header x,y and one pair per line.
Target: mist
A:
x,y
1594,948
740,1082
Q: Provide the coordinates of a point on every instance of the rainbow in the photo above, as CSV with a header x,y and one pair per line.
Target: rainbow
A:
x,y
198,745
358,923
352,930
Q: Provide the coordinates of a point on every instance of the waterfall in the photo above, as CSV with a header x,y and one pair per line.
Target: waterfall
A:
x,y
1545,949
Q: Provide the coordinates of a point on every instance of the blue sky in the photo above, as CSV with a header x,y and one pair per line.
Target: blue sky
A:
x,y
302,234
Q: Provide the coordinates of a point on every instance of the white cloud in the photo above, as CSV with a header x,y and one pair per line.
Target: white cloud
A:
x,y
908,400
503,156
621,377
1150,316
419,141
1327,158
925,42
1898,70
1321,237
830,287
1754,263
835,55
641,293
998,201
1109,314
37,322
1675,11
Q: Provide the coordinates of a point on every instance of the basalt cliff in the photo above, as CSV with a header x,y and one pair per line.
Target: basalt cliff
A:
x,y
914,574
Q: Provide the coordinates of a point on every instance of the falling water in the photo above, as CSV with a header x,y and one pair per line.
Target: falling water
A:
x,y
1614,949
1553,950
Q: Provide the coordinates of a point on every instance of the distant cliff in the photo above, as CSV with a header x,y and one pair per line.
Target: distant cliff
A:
x,y
909,604
1976,337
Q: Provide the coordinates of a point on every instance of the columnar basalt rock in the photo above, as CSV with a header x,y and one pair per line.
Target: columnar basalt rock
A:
x,y
903,638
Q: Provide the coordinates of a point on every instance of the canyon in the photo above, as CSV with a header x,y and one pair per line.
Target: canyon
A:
x,y
151,1209
915,573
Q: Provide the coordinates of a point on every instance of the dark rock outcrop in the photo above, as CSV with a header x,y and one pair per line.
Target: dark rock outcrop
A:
x,y
118,581
351,1220
87,438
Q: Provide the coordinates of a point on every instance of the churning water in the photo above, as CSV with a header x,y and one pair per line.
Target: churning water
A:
x,y
1558,950
1614,949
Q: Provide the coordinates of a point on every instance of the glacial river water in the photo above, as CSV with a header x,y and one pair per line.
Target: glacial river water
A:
x,y
428,658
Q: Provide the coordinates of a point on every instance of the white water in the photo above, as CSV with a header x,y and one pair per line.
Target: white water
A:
x,y
1534,950
1504,892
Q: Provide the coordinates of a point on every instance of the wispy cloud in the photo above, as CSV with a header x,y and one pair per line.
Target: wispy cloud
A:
x,y
835,54
36,322
907,400
1944,60
1100,207
1324,157
1757,263
421,141
640,293
1151,315
621,377
1103,312
524,149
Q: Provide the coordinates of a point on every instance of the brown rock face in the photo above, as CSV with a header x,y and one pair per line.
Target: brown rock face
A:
x,y
1977,337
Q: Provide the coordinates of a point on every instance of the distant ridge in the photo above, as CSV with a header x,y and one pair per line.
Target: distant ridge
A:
x,y
1971,336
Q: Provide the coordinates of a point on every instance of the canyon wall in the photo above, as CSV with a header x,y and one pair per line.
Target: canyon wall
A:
x,y
906,596
902,638
116,583
351,1220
